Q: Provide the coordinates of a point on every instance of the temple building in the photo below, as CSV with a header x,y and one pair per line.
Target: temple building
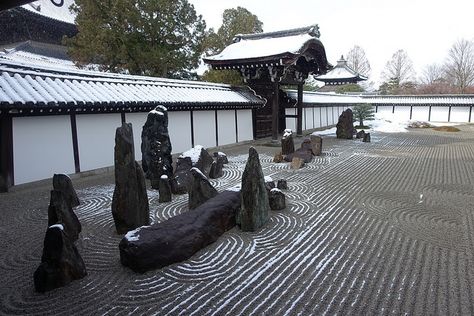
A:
x,y
269,60
339,76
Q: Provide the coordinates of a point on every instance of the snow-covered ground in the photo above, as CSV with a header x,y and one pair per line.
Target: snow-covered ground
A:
x,y
386,123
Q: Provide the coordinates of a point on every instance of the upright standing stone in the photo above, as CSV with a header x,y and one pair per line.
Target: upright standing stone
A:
x,y
345,125
219,154
287,144
164,188
63,183
217,167
360,134
316,144
276,199
60,212
61,263
254,206
366,138
130,201
156,146
201,189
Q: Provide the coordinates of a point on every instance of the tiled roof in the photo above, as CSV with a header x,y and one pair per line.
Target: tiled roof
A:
x,y
334,98
31,86
341,72
49,9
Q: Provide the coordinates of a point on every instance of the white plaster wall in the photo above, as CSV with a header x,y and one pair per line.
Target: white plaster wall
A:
x,y
324,117
385,109
137,120
308,118
96,139
42,146
226,127
335,115
244,125
317,117
204,128
460,114
179,128
420,113
439,113
290,121
402,112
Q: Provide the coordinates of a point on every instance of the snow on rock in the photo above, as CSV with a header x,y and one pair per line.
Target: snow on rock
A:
x,y
287,132
193,153
199,171
268,179
157,112
275,190
133,234
164,176
330,131
60,226
235,188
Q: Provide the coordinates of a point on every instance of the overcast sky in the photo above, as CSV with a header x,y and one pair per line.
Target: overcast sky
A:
x,y
424,29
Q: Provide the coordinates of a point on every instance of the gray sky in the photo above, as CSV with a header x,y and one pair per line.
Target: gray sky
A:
x,y
424,29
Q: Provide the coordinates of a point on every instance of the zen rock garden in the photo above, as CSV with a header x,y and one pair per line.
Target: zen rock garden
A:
x,y
210,213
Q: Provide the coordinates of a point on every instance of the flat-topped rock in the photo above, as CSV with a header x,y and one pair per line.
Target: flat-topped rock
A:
x,y
181,236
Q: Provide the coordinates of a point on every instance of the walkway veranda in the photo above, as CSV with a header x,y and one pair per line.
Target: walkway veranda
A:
x,y
369,228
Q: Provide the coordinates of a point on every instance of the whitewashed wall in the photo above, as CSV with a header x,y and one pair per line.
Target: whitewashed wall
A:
x,y
460,114
439,113
290,121
96,139
244,125
42,146
179,128
402,112
226,127
205,128
420,113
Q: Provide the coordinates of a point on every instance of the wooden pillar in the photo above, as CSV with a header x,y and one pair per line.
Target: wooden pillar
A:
x,y
275,108
75,143
299,109
6,153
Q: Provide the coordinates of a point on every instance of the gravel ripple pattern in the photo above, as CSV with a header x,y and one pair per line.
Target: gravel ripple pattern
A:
x,y
369,229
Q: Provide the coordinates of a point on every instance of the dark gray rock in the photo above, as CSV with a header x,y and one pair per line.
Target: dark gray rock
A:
x,y
195,157
254,210
130,207
360,134
277,199
282,184
156,146
61,263
366,138
345,125
269,183
201,189
63,183
217,168
223,156
179,237
287,143
164,188
303,153
316,144
60,212
278,158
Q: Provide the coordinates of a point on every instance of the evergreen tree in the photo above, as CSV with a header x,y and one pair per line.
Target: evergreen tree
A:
x,y
146,37
363,111
235,21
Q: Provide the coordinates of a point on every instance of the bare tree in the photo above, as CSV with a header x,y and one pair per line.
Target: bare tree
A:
x,y
432,74
399,69
357,60
459,65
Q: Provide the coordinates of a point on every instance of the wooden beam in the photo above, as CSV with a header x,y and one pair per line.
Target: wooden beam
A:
x,y
275,107
6,153
299,111
75,143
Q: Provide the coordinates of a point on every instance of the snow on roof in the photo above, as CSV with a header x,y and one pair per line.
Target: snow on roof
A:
x,y
263,47
341,72
33,85
49,9
348,99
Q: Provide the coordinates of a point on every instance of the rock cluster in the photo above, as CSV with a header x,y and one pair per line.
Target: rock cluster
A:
x,y
130,207
156,146
197,157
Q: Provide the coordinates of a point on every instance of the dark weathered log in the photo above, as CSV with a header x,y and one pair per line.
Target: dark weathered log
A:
x,y
181,236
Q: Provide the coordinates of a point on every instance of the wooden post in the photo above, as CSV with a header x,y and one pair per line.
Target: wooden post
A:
x,y
6,153
299,119
75,143
275,107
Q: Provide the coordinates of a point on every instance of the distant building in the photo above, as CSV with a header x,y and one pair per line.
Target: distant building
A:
x,y
339,76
